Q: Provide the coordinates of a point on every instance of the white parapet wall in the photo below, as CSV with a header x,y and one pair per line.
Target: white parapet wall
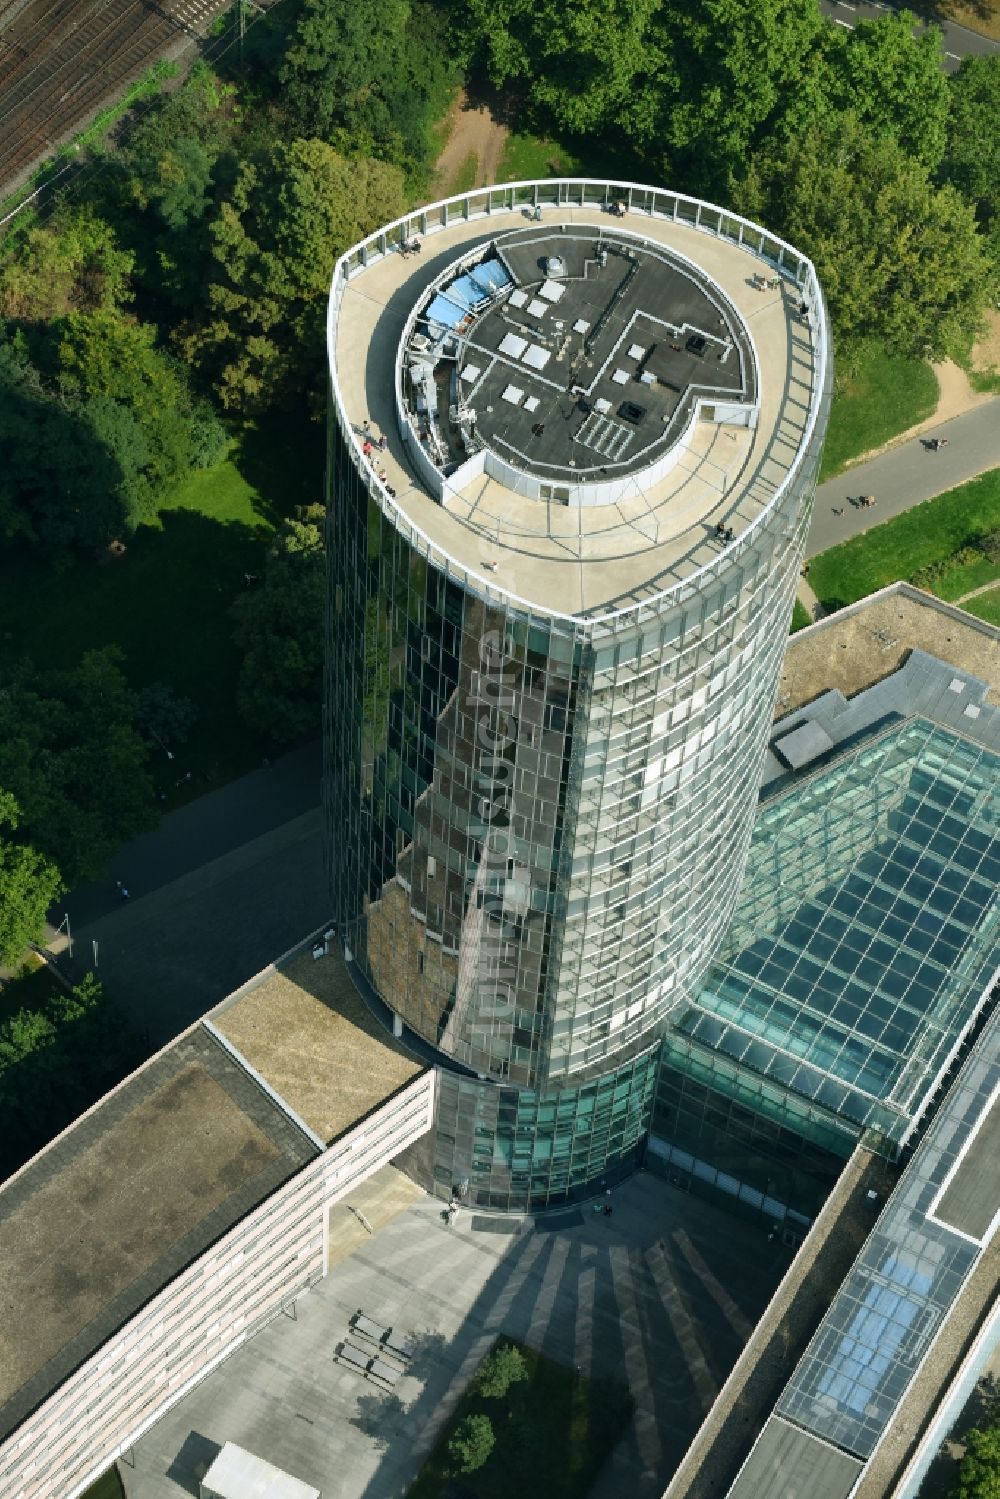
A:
x,y
212,1306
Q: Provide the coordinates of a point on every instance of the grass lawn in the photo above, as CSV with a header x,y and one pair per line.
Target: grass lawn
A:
x,y
108,1486
986,606
28,990
882,398
526,157
800,617
554,1432
895,550
166,602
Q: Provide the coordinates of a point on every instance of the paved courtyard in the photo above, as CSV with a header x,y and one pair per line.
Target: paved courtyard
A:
x,y
662,1294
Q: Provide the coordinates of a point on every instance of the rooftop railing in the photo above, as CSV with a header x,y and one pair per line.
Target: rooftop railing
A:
x,y
599,194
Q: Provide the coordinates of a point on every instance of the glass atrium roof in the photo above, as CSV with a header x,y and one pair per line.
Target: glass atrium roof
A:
x,y
867,928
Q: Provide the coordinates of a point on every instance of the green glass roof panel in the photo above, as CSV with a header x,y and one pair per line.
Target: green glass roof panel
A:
x,y
867,927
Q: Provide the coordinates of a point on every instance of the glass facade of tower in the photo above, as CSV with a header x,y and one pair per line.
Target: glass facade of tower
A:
x,y
538,822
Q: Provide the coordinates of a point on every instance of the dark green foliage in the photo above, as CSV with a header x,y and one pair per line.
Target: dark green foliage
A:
x,y
59,1052
898,258
162,715
74,761
61,483
471,1443
28,886
979,1471
369,83
274,241
502,1367
553,1431
972,151
279,629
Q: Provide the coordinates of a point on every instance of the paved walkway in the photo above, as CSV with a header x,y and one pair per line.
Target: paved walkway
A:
x,y
662,1295
904,476
221,888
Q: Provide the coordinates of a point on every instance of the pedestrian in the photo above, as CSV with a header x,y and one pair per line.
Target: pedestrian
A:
x,y
123,891
383,442
838,512
366,429
367,447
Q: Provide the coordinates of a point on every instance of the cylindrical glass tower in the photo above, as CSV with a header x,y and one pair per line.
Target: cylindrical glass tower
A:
x,y
559,602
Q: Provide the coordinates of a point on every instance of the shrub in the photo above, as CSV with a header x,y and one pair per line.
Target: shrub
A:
x,y
501,1368
471,1444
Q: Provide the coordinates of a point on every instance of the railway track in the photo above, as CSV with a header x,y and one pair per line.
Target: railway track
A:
x,y
62,60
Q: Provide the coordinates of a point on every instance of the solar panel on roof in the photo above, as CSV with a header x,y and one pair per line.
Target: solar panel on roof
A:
x,y
512,393
537,308
446,313
491,275
551,290
518,298
536,358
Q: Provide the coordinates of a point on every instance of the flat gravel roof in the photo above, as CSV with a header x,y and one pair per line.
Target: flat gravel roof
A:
x,y
96,1225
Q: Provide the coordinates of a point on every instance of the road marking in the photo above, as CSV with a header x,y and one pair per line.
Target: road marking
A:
x,y
954,55
838,22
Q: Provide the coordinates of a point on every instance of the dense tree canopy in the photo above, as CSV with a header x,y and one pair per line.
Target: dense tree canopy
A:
x,y
368,84
979,1471
29,884
274,241
972,150
59,1052
71,264
899,259
74,761
279,628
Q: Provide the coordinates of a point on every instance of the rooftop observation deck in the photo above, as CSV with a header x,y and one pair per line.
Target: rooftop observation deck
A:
x,y
589,560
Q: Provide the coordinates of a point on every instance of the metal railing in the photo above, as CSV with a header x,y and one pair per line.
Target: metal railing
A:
x,y
598,194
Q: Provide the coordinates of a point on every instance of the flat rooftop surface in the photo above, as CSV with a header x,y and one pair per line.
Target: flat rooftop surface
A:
x,y
787,1463
309,1034
131,1195
859,646
589,375
586,560
971,1200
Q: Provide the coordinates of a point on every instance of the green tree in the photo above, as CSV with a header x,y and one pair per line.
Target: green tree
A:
x,y
899,259
589,64
29,884
135,398
61,485
275,239
739,67
368,85
74,761
279,628
58,1054
972,151
503,1366
888,74
471,1443
73,263
979,1470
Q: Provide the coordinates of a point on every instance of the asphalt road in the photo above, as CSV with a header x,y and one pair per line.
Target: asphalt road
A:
x,y
959,41
222,887
905,475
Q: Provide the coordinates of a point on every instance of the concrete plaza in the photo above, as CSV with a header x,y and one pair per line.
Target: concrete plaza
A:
x,y
663,1294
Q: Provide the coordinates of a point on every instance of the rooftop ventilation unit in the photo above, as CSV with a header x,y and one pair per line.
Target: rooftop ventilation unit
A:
x,y
555,267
